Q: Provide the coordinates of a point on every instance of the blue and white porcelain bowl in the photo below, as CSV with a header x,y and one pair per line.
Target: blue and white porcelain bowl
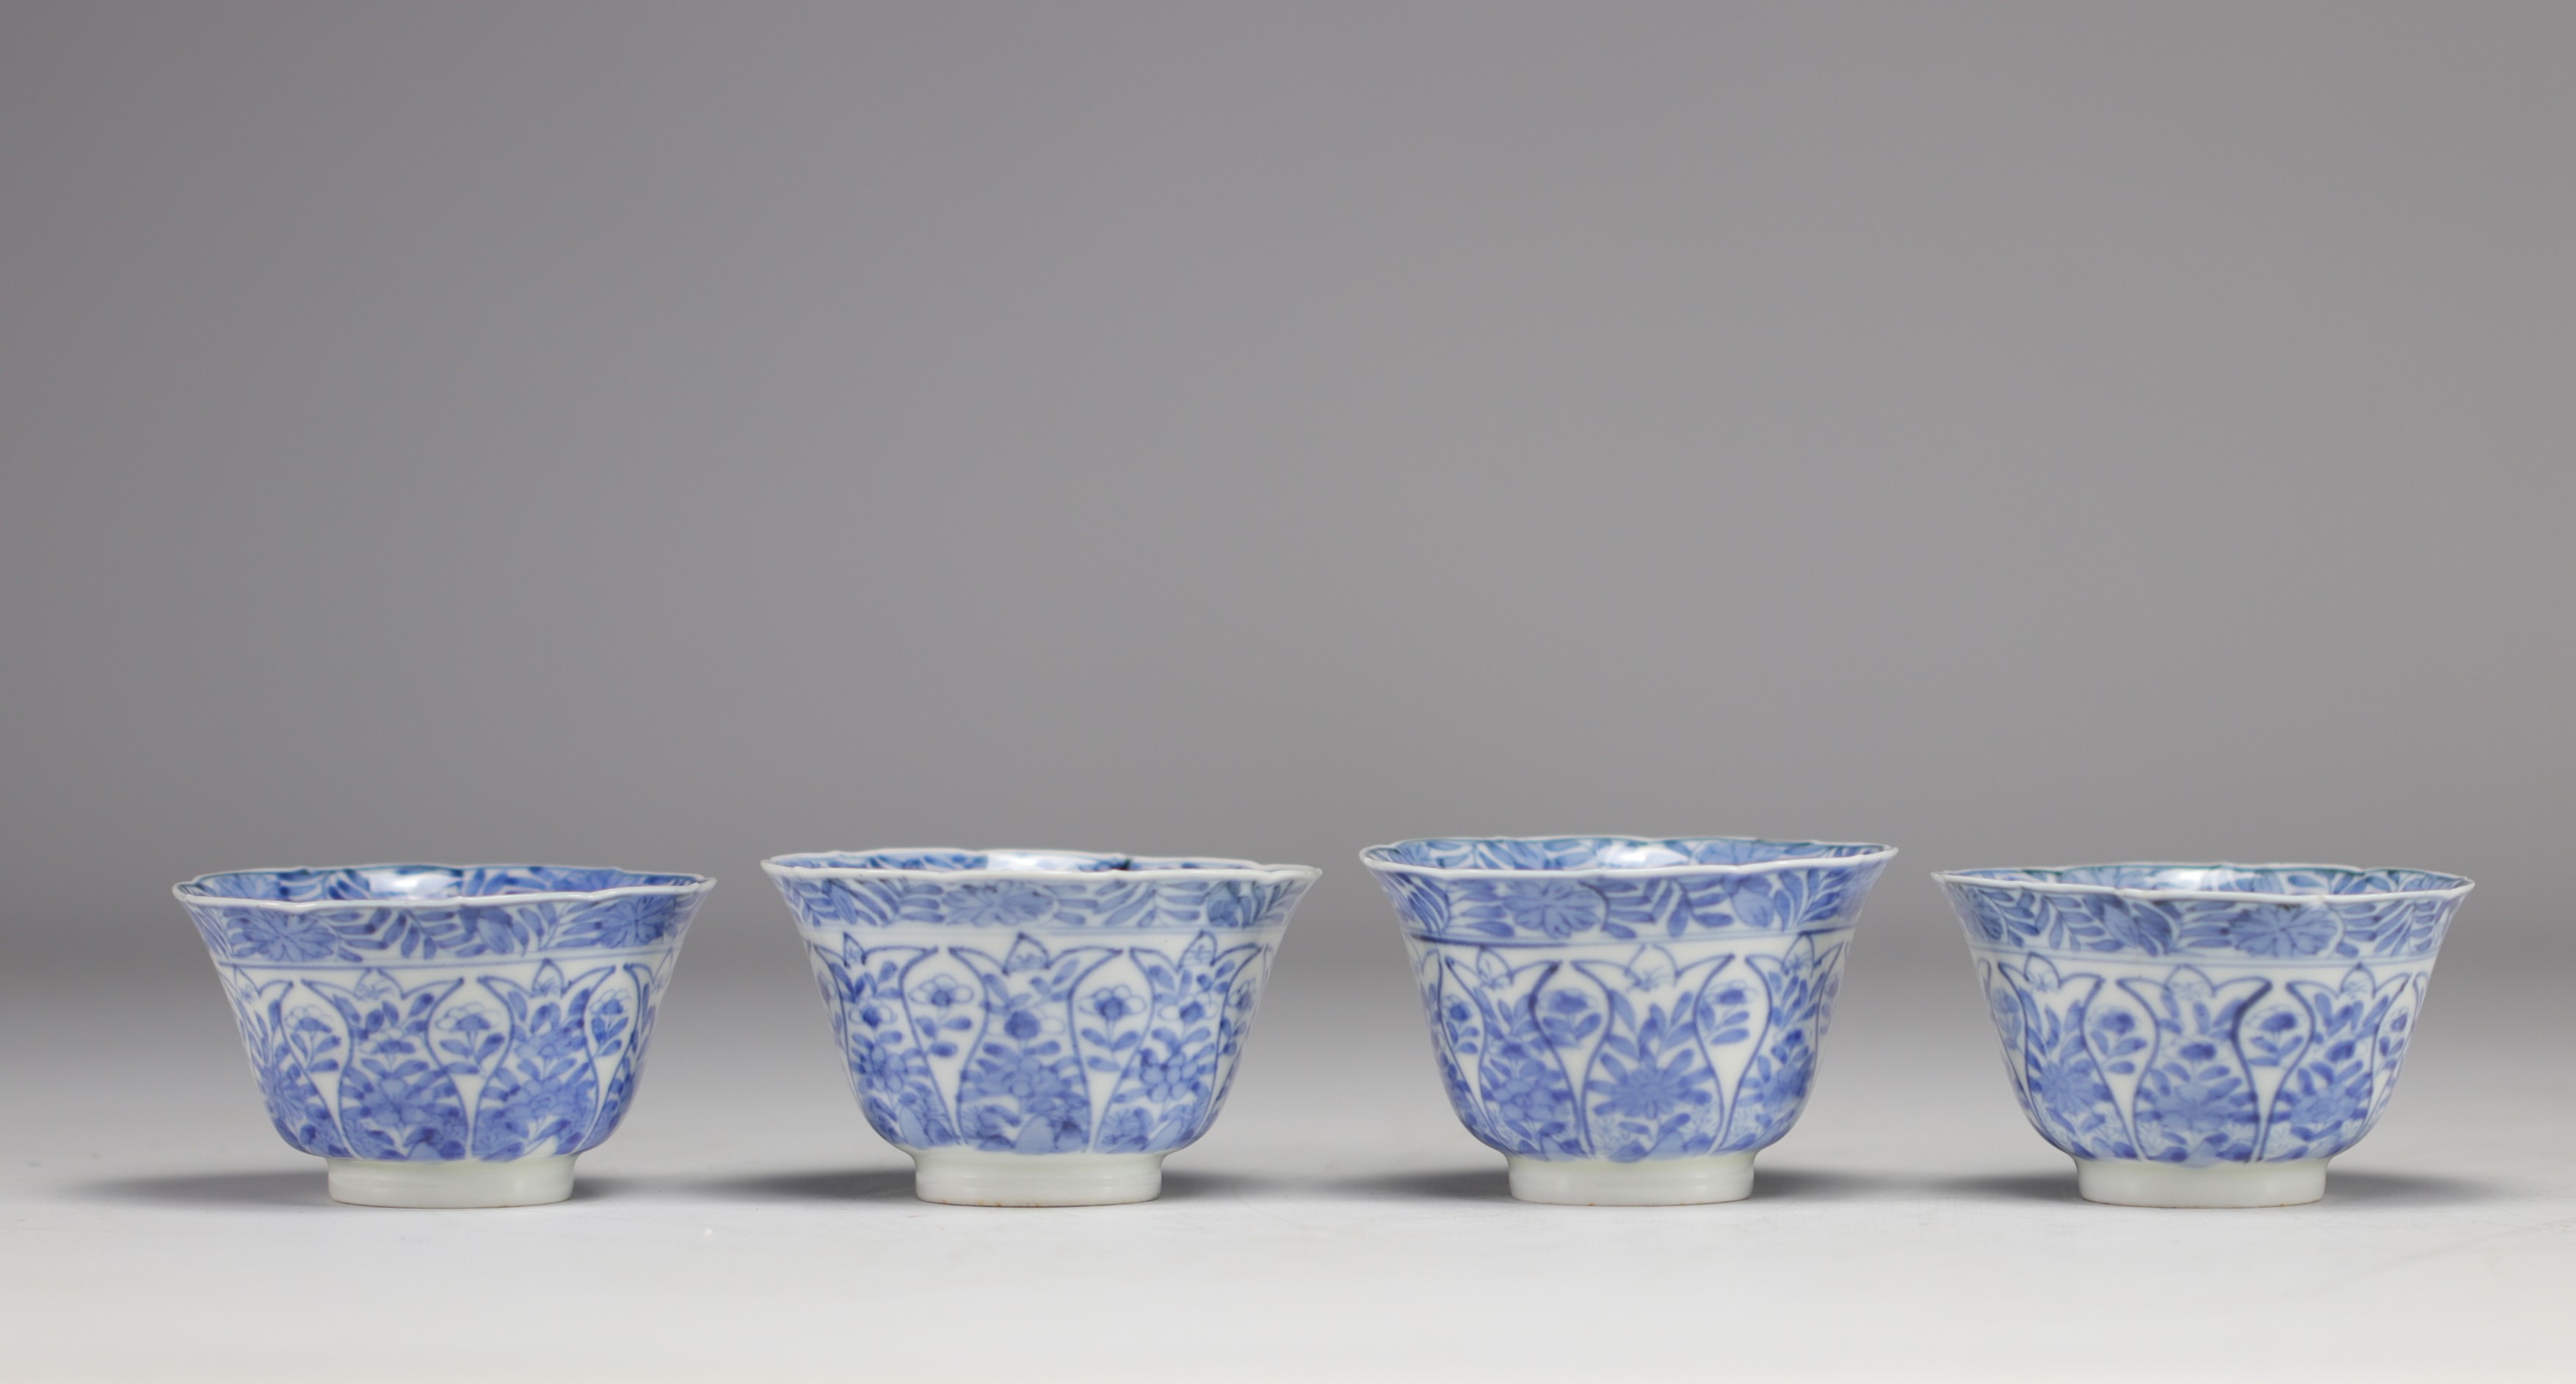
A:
x,y
445,1035
1628,1019
2203,1035
1039,1028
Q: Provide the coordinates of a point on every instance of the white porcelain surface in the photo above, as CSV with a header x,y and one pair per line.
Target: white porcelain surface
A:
x,y
2127,1182
465,1183
972,1177
1648,1182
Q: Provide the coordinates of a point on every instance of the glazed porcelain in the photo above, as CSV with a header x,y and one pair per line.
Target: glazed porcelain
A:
x,y
1627,1019
2203,1035
1038,1028
445,1036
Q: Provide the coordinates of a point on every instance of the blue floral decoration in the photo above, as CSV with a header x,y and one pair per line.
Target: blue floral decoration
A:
x,y
2210,910
1627,998
2204,1014
887,889
427,1012
1039,1001
374,913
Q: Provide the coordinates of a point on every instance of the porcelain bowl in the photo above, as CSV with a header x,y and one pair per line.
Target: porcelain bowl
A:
x,y
1627,1019
445,1035
2203,1035
1038,1028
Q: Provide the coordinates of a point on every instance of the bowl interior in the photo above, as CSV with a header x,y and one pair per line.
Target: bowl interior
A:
x,y
2228,879
403,883
1605,852
1044,862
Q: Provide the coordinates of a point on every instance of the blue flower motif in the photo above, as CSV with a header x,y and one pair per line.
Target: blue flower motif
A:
x,y
283,937
1566,1016
1234,905
1027,1017
1652,968
1165,1079
2065,1086
634,923
1650,1092
467,1020
943,993
1781,1088
2281,931
1554,908
2204,1099
1025,1102
997,905
1114,1004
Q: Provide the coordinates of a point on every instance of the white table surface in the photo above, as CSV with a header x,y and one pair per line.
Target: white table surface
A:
x,y
746,1225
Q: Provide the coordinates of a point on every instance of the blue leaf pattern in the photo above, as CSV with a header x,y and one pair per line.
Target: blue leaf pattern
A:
x,y
2342,920
397,1100
376,935
1664,1002
2198,1030
1085,1010
438,1030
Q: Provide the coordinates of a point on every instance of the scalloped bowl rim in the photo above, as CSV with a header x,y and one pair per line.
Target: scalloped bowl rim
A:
x,y
681,886
1979,878
1204,867
1868,853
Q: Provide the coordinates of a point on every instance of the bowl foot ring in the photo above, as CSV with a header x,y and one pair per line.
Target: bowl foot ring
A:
x,y
974,1177
452,1185
2124,1182
1647,1182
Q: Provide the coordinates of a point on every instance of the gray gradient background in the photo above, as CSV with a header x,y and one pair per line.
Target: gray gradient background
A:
x,y
667,436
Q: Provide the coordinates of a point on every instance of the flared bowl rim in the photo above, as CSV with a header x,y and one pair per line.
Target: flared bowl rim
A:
x,y
1381,857
1159,868
668,883
2000,877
